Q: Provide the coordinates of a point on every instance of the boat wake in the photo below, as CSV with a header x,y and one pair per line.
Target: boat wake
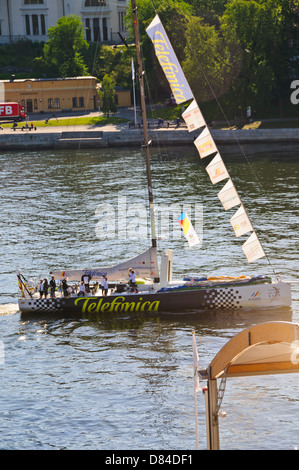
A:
x,y
8,309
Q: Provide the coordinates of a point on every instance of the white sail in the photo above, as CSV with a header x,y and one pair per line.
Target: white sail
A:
x,y
193,117
229,196
145,265
240,222
217,170
205,144
253,249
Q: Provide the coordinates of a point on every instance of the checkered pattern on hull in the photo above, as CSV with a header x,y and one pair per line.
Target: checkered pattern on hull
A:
x,y
223,298
45,305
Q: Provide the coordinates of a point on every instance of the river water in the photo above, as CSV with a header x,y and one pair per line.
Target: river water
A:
x,y
126,382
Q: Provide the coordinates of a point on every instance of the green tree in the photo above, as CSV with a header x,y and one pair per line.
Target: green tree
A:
x,y
209,10
174,15
62,53
258,31
116,62
107,96
209,66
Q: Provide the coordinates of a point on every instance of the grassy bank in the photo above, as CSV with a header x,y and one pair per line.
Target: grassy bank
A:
x,y
72,121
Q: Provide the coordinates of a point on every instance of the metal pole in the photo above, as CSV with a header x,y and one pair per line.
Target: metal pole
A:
x,y
212,415
144,120
134,93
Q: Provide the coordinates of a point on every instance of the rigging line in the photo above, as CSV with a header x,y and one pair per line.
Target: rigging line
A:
x,y
154,113
154,6
219,104
152,107
224,114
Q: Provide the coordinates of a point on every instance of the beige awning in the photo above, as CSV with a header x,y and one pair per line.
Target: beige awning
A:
x,y
268,348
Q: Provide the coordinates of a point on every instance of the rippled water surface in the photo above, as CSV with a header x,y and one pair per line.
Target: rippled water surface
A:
x,y
125,382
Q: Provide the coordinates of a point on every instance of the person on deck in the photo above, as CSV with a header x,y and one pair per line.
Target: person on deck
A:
x,y
46,288
86,279
41,288
132,280
81,292
64,287
105,286
103,280
52,287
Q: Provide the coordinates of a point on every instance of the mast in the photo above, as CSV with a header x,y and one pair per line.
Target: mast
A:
x,y
144,121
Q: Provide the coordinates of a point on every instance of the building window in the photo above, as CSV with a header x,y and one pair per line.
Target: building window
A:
x,y
95,3
121,24
57,103
50,103
43,24
27,20
105,30
35,103
81,102
35,25
33,2
74,102
96,30
87,30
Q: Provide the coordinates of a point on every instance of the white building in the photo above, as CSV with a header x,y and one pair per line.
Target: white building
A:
x,y
102,19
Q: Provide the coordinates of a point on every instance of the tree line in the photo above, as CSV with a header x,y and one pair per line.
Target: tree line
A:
x,y
237,53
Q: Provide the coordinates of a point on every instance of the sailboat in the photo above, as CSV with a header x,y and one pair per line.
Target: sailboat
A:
x,y
156,290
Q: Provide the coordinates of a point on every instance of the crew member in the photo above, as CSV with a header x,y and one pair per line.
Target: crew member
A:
x,y
86,279
52,286
41,288
132,281
81,289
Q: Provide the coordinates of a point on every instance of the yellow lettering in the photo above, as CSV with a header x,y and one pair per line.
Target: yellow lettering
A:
x,y
128,305
99,305
105,307
116,302
143,306
85,302
154,306
91,307
162,41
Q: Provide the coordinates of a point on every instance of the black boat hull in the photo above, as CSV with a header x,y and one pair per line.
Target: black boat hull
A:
x,y
231,297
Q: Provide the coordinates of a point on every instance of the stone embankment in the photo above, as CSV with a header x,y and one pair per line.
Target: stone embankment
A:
x,y
123,136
